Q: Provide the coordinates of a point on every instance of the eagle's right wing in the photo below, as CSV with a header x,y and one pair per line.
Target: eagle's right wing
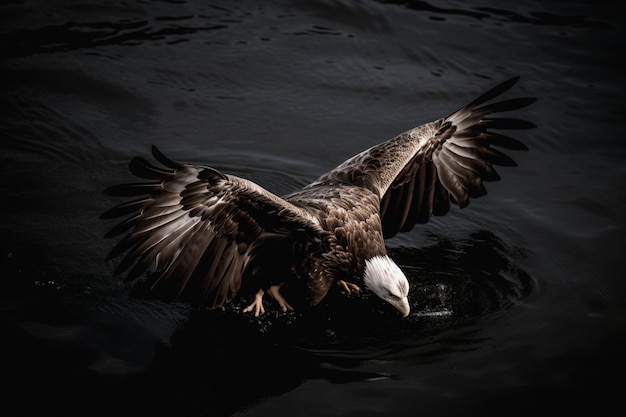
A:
x,y
197,227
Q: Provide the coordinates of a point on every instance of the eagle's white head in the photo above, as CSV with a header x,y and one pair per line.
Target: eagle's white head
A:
x,y
385,279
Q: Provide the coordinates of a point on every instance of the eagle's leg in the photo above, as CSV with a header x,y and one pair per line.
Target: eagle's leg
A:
x,y
257,304
348,287
273,291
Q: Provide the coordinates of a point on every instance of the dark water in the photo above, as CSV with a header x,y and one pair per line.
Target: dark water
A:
x,y
518,301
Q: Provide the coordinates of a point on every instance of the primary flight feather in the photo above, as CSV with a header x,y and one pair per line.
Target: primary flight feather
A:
x,y
200,234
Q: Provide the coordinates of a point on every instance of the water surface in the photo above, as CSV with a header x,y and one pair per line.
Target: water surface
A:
x,y
518,300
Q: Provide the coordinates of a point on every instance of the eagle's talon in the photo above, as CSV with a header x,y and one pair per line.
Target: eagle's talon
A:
x,y
348,287
273,291
257,305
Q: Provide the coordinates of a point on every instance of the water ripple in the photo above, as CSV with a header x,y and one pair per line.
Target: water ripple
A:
x,y
502,15
77,35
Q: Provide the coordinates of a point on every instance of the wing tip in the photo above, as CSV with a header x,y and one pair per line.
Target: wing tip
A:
x,y
160,156
495,91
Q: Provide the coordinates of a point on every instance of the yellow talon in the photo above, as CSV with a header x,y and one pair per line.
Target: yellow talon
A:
x,y
348,287
273,291
257,305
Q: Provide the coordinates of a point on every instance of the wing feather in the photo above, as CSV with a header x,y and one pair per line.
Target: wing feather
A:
x,y
460,152
123,226
418,172
196,228
466,159
144,169
506,123
125,208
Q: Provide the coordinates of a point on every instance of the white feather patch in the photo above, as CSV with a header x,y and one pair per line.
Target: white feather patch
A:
x,y
383,276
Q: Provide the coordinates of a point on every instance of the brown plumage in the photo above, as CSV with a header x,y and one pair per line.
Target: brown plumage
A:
x,y
203,233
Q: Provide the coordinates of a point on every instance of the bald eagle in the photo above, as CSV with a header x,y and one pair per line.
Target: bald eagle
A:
x,y
200,235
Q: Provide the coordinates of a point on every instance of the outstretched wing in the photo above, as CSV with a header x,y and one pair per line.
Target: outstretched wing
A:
x,y
419,172
197,227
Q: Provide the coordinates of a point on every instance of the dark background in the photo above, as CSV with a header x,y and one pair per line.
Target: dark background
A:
x,y
518,300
